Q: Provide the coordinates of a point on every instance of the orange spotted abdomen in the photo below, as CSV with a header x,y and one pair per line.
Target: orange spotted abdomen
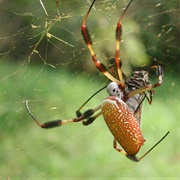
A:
x,y
122,124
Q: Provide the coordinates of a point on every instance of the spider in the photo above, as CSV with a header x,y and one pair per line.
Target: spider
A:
x,y
122,109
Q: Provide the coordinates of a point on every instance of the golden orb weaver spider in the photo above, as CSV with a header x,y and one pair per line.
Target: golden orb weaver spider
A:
x,y
122,109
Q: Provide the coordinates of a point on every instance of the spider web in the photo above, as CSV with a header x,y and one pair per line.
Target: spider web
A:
x,y
43,58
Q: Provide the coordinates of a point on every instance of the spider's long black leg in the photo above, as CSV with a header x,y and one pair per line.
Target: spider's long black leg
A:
x,y
88,41
59,122
136,159
78,113
159,73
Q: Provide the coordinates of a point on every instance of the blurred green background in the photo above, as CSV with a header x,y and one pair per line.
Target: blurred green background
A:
x,y
43,58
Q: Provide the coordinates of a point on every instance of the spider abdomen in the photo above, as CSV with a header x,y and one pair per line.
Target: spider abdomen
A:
x,y
122,124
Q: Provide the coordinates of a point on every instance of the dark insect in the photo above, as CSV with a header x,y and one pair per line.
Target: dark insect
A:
x,y
122,109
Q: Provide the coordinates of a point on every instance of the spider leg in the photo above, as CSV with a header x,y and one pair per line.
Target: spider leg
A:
x,y
59,122
91,119
88,41
118,149
136,159
78,113
118,40
133,157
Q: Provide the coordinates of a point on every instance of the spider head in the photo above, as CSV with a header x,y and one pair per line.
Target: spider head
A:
x,y
114,90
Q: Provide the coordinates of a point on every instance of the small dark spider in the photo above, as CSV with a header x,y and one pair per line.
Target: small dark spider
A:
x,y
122,109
